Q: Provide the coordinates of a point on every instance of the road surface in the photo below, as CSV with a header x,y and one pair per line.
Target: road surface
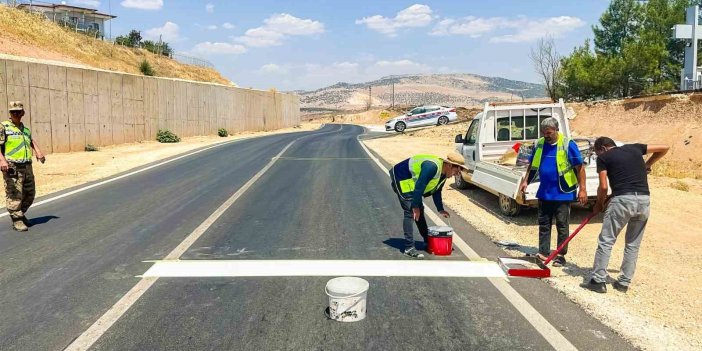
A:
x,y
321,198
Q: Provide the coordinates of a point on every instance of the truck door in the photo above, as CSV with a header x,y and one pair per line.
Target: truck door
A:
x,y
470,145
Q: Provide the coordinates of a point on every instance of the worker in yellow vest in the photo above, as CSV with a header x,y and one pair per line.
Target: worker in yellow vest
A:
x,y
559,165
17,144
418,177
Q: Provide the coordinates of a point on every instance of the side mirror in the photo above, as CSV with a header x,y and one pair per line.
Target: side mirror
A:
x,y
408,114
459,139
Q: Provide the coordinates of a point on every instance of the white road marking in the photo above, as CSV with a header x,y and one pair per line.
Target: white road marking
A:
x,y
378,128
97,329
546,329
110,180
323,268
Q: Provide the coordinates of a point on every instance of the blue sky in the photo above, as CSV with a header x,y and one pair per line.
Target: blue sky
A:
x,y
302,44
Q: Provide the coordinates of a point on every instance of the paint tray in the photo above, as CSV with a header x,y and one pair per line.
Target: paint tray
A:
x,y
529,266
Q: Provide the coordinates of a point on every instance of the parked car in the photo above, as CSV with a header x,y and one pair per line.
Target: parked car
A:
x,y
426,115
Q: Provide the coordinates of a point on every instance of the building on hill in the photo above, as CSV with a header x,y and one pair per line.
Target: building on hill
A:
x,y
81,19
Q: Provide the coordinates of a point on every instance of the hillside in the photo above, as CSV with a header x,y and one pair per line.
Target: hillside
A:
x,y
23,34
444,89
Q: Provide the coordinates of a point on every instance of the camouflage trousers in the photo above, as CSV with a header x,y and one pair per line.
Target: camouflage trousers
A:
x,y
19,189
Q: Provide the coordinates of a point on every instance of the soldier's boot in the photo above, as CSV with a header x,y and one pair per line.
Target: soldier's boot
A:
x,y
19,225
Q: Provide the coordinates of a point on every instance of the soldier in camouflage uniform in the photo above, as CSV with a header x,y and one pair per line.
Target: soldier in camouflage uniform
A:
x,y
17,144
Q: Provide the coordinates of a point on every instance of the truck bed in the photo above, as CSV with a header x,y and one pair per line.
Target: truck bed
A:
x,y
504,179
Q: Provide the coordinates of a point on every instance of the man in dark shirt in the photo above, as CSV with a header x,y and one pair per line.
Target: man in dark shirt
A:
x,y
628,205
418,177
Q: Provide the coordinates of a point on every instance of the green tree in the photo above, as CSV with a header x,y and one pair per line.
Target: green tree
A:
x,y
620,23
134,37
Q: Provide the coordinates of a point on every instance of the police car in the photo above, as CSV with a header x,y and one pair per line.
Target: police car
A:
x,y
426,115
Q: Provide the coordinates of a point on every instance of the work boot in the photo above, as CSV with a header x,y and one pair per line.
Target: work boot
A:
x,y
620,287
19,226
595,286
412,252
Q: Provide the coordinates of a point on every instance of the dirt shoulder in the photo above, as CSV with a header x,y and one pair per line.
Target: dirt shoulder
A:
x,y
662,308
65,170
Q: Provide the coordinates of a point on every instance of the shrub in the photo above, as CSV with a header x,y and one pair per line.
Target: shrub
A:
x,y
166,136
146,69
91,147
680,185
222,132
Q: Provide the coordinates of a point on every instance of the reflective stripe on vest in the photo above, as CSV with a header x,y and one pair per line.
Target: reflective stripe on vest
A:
x,y
415,167
18,143
565,169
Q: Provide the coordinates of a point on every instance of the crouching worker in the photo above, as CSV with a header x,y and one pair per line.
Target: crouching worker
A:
x,y
418,177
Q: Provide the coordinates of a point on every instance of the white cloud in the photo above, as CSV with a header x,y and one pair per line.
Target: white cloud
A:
x,y
169,32
273,69
290,25
261,37
471,26
523,29
209,8
89,3
143,4
227,25
212,27
530,30
209,48
414,16
278,27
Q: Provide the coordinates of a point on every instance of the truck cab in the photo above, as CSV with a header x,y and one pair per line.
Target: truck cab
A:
x,y
494,132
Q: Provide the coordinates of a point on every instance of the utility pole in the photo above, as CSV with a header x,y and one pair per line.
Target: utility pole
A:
x,y
109,11
393,95
370,100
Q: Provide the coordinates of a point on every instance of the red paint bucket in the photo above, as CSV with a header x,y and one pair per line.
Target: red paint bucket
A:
x,y
440,241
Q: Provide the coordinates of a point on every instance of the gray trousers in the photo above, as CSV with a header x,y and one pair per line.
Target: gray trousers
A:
x,y
629,210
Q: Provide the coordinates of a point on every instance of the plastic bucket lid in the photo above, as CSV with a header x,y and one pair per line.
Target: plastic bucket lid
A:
x,y
440,231
346,286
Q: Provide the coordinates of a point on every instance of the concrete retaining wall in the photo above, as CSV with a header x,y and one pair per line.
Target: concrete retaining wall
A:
x,y
68,108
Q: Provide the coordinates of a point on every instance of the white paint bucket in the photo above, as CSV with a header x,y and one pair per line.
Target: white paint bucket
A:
x,y
347,298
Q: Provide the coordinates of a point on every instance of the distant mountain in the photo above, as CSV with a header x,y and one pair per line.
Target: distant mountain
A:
x,y
442,89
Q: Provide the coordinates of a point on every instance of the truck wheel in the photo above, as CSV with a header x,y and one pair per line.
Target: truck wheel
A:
x,y
400,127
460,182
443,120
508,206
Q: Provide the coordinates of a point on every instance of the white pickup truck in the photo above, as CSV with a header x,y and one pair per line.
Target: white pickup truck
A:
x,y
495,131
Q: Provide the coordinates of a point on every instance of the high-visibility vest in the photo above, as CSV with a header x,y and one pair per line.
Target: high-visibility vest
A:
x,y
18,143
415,167
566,174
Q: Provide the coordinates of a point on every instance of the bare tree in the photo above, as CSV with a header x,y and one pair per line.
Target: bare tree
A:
x,y
547,64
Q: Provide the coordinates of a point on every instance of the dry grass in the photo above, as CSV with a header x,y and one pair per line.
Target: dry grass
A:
x,y
25,34
678,170
680,185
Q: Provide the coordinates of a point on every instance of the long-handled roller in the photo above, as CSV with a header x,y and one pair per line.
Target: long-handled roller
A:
x,y
532,266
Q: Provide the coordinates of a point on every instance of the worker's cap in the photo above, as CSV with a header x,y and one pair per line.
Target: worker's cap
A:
x,y
455,158
16,106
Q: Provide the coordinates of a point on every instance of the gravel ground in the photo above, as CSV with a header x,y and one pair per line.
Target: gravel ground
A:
x,y
662,308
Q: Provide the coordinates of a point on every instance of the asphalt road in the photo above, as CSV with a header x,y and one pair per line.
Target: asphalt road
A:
x,y
322,199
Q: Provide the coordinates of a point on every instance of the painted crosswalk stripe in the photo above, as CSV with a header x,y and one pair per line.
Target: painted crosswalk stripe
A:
x,y
322,268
